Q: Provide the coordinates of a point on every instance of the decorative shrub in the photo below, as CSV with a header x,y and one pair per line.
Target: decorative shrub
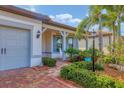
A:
x,y
116,50
97,52
80,76
119,84
105,82
88,65
107,59
49,61
87,78
89,53
73,54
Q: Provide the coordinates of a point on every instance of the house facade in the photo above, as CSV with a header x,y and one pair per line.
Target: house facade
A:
x,y
56,39
88,43
26,37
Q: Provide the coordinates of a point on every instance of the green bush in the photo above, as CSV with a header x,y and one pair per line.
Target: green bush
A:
x,y
87,78
106,59
88,65
49,61
105,82
80,76
89,53
72,53
119,84
99,66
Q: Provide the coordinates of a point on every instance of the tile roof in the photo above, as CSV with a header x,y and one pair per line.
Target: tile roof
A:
x,y
44,18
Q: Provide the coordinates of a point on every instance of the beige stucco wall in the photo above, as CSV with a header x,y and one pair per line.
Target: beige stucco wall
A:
x,y
82,43
46,41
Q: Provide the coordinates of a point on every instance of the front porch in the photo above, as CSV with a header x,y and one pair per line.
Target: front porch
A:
x,y
56,41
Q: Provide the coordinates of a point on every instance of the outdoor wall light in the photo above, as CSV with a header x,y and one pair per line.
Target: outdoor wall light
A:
x,y
38,34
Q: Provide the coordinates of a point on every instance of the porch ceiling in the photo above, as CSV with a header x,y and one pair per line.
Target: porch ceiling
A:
x,y
55,28
57,32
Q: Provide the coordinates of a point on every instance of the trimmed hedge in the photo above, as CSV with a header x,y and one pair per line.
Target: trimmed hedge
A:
x,y
89,79
88,65
49,61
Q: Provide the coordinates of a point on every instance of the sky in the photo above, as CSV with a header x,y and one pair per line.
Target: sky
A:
x,y
67,14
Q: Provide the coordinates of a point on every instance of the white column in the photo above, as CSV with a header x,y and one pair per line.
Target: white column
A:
x,y
64,35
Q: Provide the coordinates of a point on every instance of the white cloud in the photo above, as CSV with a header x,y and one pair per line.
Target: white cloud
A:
x,y
32,8
66,18
76,20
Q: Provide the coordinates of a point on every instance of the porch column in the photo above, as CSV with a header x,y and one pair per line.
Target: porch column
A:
x,y
64,35
75,43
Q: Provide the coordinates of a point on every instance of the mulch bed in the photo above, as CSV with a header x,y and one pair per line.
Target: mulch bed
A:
x,y
113,73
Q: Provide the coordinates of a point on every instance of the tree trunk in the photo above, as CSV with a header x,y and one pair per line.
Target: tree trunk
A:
x,y
86,43
119,28
114,33
100,35
100,41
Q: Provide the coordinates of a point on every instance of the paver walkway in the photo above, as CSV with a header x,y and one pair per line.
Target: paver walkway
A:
x,y
36,77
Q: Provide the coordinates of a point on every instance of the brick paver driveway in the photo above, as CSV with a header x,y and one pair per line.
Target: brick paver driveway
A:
x,y
36,77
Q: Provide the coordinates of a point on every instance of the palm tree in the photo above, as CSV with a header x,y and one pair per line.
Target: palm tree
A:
x,y
90,21
96,13
82,29
113,20
110,21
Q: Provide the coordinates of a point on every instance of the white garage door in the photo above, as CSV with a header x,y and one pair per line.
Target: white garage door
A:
x,y
14,48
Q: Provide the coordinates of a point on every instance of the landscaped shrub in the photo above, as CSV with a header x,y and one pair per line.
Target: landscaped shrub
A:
x,y
105,82
89,53
107,59
49,61
116,49
87,78
119,84
99,66
80,76
73,54
89,65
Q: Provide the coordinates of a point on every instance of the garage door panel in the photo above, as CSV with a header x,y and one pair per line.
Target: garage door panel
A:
x,y
14,63
15,52
1,46
17,43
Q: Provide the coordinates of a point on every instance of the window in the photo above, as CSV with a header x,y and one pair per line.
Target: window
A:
x,y
69,42
57,43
